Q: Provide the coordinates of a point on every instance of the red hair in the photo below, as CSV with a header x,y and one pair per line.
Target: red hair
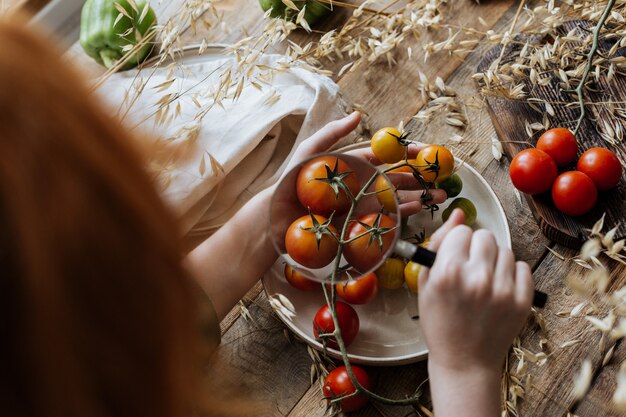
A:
x,y
98,315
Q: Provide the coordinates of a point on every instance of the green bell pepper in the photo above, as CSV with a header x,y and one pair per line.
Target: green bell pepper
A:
x,y
107,33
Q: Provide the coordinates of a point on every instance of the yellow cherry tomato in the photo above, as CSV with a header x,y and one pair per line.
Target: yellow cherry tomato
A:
x,y
388,145
385,190
391,274
411,272
435,163
384,193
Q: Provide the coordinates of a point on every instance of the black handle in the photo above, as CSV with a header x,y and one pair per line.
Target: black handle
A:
x,y
426,257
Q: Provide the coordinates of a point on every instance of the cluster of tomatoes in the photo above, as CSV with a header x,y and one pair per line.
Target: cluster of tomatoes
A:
x,y
574,192
326,186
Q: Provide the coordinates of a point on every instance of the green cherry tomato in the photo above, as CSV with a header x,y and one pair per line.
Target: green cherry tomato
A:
x,y
451,185
464,204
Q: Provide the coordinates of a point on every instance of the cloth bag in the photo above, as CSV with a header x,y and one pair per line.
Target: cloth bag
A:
x,y
250,138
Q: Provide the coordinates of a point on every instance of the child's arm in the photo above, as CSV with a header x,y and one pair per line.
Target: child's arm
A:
x,y
473,302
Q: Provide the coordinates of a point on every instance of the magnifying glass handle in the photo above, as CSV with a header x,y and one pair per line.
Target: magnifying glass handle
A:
x,y
426,257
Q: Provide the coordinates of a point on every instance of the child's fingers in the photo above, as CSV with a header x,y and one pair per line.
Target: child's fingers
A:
x,y
327,136
456,218
524,286
406,196
504,278
453,252
484,251
367,154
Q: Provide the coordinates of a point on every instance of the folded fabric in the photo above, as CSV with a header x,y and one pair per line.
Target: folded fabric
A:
x,y
234,150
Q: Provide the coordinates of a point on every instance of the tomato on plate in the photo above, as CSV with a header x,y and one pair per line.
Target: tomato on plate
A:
x,y
391,274
602,166
389,145
465,204
385,189
309,242
435,163
453,185
411,274
318,185
574,193
359,290
337,383
367,251
560,144
348,323
299,281
533,171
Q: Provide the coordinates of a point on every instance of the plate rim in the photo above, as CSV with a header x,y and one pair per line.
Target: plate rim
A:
x,y
393,360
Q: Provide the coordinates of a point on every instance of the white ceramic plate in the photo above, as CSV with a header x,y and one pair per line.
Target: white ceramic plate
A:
x,y
388,334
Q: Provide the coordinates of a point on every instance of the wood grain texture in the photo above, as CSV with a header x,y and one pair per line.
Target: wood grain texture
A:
x,y
235,313
598,400
258,360
312,403
390,94
550,392
509,119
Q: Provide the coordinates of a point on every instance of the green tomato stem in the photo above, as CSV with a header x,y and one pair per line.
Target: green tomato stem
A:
x,y
330,301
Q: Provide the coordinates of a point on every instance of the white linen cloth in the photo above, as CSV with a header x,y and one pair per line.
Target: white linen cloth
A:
x,y
251,140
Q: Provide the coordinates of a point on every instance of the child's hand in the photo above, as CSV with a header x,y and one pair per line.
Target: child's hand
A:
x,y
473,301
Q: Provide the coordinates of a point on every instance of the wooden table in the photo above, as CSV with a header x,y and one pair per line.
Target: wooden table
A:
x,y
266,359
262,357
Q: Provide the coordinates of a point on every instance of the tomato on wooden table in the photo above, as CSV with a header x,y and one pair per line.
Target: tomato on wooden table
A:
x,y
318,185
308,241
560,144
337,383
367,251
533,171
574,193
602,166
359,290
348,323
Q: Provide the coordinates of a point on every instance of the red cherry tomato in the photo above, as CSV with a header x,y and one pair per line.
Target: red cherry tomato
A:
x,y
574,193
369,250
338,383
560,144
533,171
299,281
360,290
348,323
602,166
318,194
303,246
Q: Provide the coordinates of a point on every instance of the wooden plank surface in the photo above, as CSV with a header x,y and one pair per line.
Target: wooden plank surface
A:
x,y
510,117
258,358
